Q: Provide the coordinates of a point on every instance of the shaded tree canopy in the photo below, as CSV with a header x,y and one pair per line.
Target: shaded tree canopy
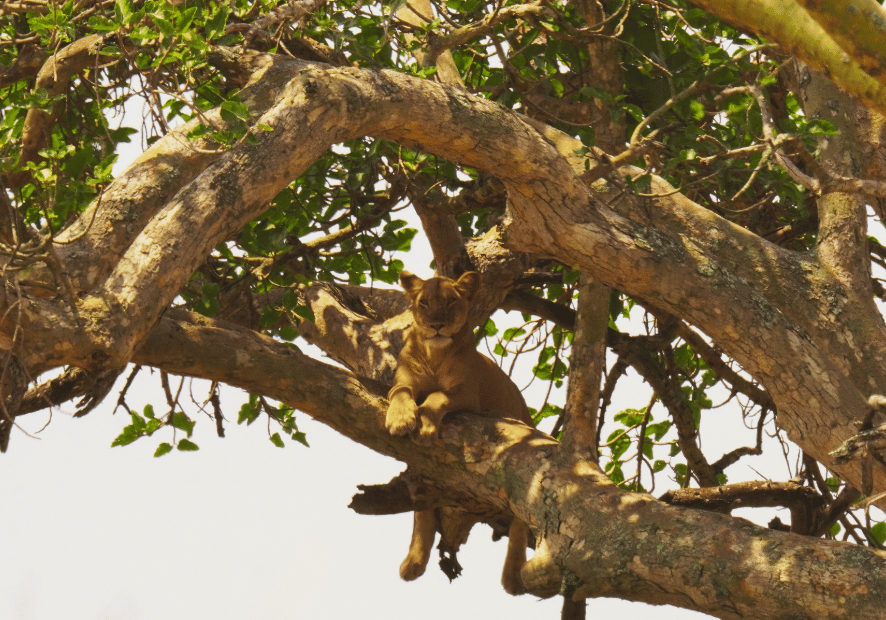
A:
x,y
709,167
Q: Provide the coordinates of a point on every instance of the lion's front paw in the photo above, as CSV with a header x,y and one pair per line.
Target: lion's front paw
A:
x,y
401,419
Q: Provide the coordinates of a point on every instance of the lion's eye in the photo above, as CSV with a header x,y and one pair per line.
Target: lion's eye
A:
x,y
452,302
423,303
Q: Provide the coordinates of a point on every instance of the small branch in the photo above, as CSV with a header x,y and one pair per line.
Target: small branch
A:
x,y
733,456
462,35
217,410
292,11
72,383
714,360
558,314
803,502
837,509
640,352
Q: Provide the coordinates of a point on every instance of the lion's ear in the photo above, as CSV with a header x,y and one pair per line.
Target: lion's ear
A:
x,y
411,283
468,284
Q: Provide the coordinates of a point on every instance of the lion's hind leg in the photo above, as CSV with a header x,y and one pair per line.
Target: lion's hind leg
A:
x,y
518,539
424,529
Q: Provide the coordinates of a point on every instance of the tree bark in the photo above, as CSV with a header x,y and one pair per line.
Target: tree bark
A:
x,y
610,542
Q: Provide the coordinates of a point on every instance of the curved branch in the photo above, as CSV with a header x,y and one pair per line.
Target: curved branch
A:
x,y
752,298
27,64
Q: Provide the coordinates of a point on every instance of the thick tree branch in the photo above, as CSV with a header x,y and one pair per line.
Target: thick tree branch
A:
x,y
27,64
111,223
856,26
793,30
587,526
53,77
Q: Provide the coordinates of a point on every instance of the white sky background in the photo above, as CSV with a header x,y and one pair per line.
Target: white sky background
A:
x,y
242,529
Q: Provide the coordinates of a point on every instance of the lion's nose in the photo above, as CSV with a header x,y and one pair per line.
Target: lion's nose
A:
x,y
437,325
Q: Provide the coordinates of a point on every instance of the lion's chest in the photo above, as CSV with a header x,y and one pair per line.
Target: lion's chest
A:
x,y
444,371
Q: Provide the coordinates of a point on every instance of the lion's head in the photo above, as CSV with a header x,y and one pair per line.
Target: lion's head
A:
x,y
440,305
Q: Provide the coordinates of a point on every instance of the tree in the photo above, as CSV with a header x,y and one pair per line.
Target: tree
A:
x,y
587,158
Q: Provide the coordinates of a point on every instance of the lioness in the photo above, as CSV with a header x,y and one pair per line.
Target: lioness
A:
x,y
438,371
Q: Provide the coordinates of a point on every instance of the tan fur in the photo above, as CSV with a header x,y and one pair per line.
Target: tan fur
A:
x,y
439,371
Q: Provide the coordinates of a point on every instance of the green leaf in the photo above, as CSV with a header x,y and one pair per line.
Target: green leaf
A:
x,y
186,445
215,25
248,412
125,438
234,110
124,11
185,19
138,423
288,333
630,417
166,28
182,422
304,312
570,276
276,440
512,332
210,289
163,448
658,430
